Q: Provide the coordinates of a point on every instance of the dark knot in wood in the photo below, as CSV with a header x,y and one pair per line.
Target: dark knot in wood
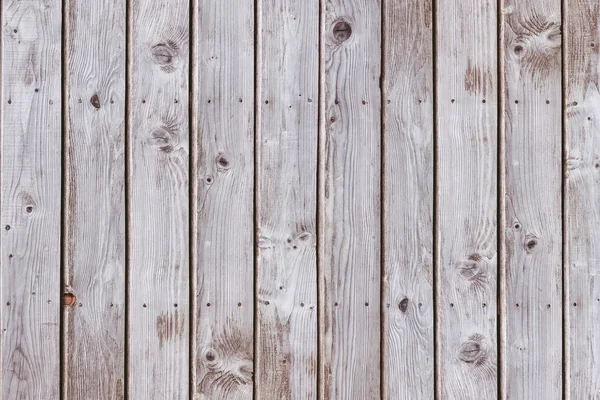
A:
x,y
163,54
95,101
342,31
403,305
473,351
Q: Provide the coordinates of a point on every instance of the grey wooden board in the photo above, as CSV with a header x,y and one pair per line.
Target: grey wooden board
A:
x,y
286,186
582,266
466,210
31,198
94,229
408,358
532,226
158,206
349,199
223,200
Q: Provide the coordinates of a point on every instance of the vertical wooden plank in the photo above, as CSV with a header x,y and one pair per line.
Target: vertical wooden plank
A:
x,y
95,209
408,358
158,358
287,140
466,74
582,196
349,203
532,230
223,200
31,198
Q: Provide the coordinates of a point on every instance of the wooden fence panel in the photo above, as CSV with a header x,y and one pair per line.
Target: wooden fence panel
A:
x,y
532,190
94,332
582,239
349,199
223,178
408,358
158,205
466,242
31,198
286,186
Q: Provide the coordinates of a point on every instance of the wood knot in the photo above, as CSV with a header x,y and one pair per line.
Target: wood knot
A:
x,y
473,351
69,299
163,54
531,244
95,101
474,269
518,49
403,305
223,163
165,138
342,31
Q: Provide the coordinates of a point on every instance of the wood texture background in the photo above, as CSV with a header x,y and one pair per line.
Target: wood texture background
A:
x,y
319,199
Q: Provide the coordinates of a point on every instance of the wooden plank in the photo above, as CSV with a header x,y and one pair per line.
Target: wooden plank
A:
x,y
532,226
287,140
223,199
158,358
349,202
582,241
408,358
94,278
466,199
31,198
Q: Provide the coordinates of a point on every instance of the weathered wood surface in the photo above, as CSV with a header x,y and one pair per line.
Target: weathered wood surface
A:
x,y
349,199
532,226
466,201
94,332
408,358
223,174
158,205
286,186
299,199
31,198
582,197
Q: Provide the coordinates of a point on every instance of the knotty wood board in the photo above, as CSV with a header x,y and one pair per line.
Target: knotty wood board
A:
x,y
158,205
466,183
349,199
532,229
408,358
223,200
31,198
94,333
582,197
286,186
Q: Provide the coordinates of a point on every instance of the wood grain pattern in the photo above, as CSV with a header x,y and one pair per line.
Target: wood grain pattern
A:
x,y
582,196
466,199
158,200
287,140
532,229
349,203
223,171
408,358
31,198
94,331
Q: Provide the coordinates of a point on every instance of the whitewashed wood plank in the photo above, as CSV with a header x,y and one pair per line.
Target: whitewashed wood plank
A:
x,y
582,197
158,190
408,358
223,200
31,198
94,277
287,140
466,75
532,191
349,203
